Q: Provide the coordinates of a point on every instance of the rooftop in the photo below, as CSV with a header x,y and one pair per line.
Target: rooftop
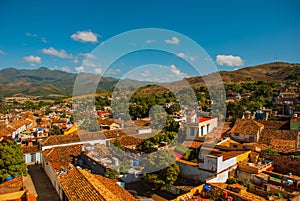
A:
x,y
245,196
82,185
14,185
203,119
128,140
30,149
246,126
231,154
60,157
192,144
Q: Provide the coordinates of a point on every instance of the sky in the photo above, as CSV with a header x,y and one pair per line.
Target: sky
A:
x,y
74,36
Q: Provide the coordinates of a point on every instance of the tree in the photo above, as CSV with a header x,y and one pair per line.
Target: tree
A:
x,y
11,160
55,130
174,108
171,124
154,180
112,174
170,174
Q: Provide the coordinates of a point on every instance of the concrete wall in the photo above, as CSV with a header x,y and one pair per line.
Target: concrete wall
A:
x,y
49,170
216,164
220,178
223,165
193,172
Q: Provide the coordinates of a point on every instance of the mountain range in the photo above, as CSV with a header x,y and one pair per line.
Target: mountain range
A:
x,y
45,82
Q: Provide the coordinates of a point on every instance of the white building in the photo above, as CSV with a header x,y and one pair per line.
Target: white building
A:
x,y
199,126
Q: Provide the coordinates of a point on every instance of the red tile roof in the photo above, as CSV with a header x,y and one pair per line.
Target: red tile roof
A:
x,y
245,126
203,119
11,186
128,140
192,144
79,184
30,149
60,139
61,157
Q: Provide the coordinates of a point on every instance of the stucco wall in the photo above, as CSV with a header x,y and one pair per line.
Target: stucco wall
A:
x,y
194,173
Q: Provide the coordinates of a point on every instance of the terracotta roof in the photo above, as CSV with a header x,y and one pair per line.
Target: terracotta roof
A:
x,y
268,134
6,131
13,185
230,154
245,196
283,125
115,189
30,149
106,121
59,121
120,132
142,123
82,185
60,139
88,136
18,123
203,119
192,144
246,126
62,156
283,146
188,162
128,140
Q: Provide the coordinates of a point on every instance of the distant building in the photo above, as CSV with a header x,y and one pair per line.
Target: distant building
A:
x,y
245,130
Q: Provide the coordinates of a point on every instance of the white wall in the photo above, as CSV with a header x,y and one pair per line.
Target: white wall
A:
x,y
194,173
223,165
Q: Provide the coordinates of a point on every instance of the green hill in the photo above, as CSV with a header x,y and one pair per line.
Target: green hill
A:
x,y
44,81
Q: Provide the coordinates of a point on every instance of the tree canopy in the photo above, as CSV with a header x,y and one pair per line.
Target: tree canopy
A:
x,y
11,160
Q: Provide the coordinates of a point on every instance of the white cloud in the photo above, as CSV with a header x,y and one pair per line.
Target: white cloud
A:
x,y
75,60
2,52
85,36
66,69
87,55
31,35
58,53
112,71
98,70
177,71
79,69
150,41
89,63
145,74
173,41
33,60
184,56
44,40
229,60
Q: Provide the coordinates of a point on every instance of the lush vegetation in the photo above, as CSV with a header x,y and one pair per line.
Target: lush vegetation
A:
x,y
243,182
112,174
163,169
270,151
11,160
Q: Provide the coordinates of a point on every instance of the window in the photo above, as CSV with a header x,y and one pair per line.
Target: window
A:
x,y
192,131
202,128
207,128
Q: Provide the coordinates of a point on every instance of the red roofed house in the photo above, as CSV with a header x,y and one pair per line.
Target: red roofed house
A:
x,y
199,126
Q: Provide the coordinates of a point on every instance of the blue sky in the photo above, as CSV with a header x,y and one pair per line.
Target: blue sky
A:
x,y
235,34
